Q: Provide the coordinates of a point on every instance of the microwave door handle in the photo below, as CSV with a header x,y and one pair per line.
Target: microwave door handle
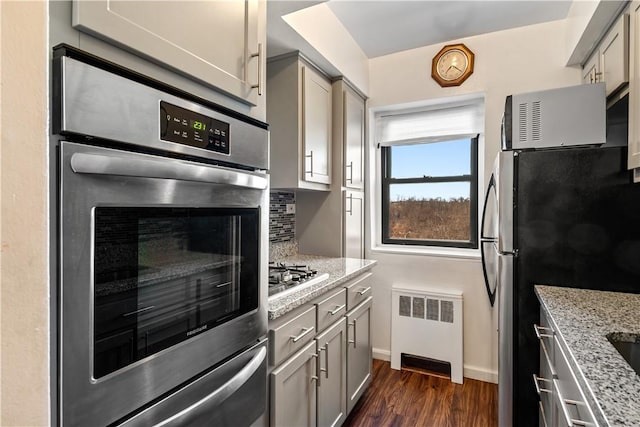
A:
x,y
210,401
138,166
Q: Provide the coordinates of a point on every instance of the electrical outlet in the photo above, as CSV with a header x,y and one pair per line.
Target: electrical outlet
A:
x,y
291,209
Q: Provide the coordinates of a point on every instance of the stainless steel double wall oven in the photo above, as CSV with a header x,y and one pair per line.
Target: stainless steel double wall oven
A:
x,y
162,247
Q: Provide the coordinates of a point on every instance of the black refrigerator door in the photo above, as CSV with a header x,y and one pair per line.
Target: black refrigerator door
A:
x,y
577,224
489,239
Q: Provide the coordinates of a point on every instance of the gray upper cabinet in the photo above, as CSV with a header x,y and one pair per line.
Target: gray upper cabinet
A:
x,y
634,90
609,63
353,128
214,42
317,126
300,117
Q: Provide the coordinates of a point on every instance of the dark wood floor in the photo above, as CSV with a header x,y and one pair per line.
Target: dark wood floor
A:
x,y
410,399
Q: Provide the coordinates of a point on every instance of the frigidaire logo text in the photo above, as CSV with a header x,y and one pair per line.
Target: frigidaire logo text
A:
x,y
196,330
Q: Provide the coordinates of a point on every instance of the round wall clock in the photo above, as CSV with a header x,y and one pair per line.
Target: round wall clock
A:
x,y
452,65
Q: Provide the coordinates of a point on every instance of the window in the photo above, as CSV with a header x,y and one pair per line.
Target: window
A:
x,y
429,180
429,193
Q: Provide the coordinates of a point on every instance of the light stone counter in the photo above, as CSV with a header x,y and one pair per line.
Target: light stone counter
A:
x,y
582,318
340,270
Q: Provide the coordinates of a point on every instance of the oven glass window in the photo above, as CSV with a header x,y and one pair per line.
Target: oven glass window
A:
x,y
165,275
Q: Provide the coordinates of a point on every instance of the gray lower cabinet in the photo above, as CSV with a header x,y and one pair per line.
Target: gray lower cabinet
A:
x,y
332,383
562,402
317,378
294,390
359,352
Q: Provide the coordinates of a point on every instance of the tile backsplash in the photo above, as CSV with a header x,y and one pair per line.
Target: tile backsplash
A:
x,y
282,225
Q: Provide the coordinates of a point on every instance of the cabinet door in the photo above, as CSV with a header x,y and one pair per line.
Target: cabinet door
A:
x,y
353,107
591,69
316,132
212,41
354,224
332,386
634,88
359,352
614,55
293,390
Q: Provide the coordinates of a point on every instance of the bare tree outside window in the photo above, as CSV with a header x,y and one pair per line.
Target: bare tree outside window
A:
x,y
430,194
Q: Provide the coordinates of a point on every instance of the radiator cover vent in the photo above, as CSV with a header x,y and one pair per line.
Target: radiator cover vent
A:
x,y
427,323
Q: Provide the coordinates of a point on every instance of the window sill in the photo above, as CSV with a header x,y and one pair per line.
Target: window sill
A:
x,y
458,253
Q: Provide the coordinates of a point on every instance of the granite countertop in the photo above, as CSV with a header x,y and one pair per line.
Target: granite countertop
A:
x,y
582,318
340,270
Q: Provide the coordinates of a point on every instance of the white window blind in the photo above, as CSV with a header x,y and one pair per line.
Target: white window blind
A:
x,y
433,125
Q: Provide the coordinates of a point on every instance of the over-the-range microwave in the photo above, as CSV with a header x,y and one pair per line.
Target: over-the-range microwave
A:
x,y
564,117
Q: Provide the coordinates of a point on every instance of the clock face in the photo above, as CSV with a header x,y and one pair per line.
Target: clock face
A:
x,y
452,65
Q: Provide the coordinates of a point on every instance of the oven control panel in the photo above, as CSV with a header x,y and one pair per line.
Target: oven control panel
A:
x,y
189,128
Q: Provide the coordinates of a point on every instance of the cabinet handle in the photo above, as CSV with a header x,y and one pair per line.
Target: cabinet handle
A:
x,y
318,376
575,422
597,77
565,412
365,290
326,360
310,156
542,328
354,334
350,210
337,309
536,381
305,331
350,166
259,55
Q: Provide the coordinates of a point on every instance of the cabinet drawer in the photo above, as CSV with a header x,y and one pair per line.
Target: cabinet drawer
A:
x,y
358,290
291,336
570,399
331,308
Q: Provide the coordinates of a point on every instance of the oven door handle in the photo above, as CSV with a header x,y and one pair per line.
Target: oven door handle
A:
x,y
210,401
140,165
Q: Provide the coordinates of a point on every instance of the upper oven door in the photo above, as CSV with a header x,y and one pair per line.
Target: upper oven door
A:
x,y
163,275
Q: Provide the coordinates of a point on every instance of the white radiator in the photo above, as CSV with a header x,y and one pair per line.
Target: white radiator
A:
x,y
427,323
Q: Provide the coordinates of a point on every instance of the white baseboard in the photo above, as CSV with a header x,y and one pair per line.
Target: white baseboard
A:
x,y
472,372
381,354
480,374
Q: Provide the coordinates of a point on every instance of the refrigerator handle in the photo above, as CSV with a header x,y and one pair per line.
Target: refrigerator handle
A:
x,y
492,184
490,293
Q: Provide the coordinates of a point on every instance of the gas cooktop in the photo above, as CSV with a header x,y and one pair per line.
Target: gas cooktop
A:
x,y
287,278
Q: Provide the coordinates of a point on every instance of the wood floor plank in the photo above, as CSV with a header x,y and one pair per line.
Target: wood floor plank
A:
x,y
411,399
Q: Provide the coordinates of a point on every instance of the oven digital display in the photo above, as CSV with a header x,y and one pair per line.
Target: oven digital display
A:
x,y
186,127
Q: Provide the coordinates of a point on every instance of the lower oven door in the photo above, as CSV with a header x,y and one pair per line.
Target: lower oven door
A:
x,y
233,395
163,276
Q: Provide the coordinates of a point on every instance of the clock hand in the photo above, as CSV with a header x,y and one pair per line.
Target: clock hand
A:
x,y
455,68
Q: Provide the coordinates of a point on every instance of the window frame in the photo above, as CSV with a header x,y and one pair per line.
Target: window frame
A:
x,y
472,178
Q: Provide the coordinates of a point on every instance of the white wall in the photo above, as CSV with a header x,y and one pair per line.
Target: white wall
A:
x,y
320,27
23,217
506,62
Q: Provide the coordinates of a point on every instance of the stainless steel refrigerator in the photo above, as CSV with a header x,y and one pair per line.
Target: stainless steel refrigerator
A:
x,y
554,216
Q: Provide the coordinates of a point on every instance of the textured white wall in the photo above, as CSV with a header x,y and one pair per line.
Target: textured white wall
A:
x,y
506,62
23,217
320,27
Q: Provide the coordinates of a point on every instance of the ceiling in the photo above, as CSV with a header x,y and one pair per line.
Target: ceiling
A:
x,y
382,27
